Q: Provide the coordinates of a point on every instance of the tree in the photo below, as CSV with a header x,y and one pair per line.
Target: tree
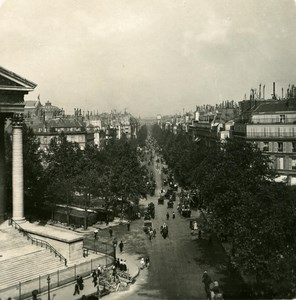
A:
x,y
142,136
61,169
33,169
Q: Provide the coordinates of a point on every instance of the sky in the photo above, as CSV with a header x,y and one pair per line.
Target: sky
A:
x,y
148,57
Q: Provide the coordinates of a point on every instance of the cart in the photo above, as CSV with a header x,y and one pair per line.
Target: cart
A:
x,y
147,226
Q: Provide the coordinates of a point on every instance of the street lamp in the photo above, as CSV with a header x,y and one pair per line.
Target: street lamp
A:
x,y
48,287
114,247
95,237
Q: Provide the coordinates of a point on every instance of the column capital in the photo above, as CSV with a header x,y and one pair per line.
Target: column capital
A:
x,y
17,120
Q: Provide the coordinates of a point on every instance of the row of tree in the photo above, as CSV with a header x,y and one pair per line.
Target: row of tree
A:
x,y
237,188
112,173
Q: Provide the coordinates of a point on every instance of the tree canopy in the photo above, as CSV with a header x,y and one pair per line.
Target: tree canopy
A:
x,y
237,188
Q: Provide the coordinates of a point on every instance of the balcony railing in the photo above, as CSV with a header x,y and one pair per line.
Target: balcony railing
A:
x,y
277,120
271,135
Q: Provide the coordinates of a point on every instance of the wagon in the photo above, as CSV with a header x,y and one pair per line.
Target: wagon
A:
x,y
161,200
170,204
147,226
186,212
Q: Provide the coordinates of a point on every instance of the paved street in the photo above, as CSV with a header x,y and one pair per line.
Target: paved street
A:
x,y
178,262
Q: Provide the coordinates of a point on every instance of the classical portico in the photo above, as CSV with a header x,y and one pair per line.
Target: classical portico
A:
x,y
12,90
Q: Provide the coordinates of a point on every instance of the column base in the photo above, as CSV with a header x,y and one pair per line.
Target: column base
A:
x,y
20,220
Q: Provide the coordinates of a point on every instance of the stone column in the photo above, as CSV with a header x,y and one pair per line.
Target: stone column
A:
x,y
2,170
17,168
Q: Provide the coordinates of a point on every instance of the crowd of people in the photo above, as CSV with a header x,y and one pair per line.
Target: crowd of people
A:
x,y
145,262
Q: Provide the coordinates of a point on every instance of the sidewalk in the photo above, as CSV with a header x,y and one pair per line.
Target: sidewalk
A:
x,y
66,292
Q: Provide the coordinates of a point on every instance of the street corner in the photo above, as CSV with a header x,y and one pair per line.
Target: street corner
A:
x,y
132,264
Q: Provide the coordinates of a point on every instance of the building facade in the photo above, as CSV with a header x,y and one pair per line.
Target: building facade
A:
x,y
272,127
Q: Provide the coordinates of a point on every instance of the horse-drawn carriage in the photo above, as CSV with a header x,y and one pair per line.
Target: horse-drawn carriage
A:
x,y
151,191
161,200
168,194
170,204
147,216
147,226
164,231
151,209
186,212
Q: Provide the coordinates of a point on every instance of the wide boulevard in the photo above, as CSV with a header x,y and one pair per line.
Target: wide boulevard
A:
x,y
177,262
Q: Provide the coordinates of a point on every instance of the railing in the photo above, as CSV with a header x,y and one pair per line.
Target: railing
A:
x,y
23,290
276,120
271,134
38,242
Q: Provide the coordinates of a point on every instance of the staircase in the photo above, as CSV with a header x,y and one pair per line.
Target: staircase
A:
x,y
21,261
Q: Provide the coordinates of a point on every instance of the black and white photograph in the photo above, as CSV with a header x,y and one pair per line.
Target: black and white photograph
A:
x,y
147,149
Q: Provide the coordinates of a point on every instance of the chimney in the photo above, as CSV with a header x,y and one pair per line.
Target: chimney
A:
x,y
273,92
282,93
260,91
264,91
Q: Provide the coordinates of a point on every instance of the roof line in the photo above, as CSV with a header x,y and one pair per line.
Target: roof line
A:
x,y
17,77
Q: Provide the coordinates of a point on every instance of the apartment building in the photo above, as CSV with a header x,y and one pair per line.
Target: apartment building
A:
x,y
273,129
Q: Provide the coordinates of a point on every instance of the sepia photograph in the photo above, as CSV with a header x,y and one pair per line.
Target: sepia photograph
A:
x,y
147,149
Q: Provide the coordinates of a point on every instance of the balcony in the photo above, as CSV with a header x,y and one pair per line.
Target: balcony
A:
x,y
275,120
271,135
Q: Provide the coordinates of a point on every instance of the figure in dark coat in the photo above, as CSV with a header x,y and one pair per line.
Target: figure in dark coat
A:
x,y
80,282
76,289
94,277
206,279
121,246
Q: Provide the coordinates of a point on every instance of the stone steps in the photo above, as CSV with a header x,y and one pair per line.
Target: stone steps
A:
x,y
21,261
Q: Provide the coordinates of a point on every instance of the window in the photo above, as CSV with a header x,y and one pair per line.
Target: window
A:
x,y
282,119
293,146
293,163
265,146
280,163
280,147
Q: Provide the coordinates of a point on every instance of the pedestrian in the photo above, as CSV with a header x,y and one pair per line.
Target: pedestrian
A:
x,y
154,232
142,263
147,262
199,234
114,272
128,225
206,279
121,265
121,246
76,289
99,270
94,277
117,263
174,215
167,215
111,232
124,266
80,283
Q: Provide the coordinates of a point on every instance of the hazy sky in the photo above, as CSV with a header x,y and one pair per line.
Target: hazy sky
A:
x,y
148,56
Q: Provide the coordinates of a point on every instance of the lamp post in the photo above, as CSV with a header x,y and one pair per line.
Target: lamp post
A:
x,y
48,287
95,237
114,247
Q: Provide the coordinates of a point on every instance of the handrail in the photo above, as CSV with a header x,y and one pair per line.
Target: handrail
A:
x,y
38,241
